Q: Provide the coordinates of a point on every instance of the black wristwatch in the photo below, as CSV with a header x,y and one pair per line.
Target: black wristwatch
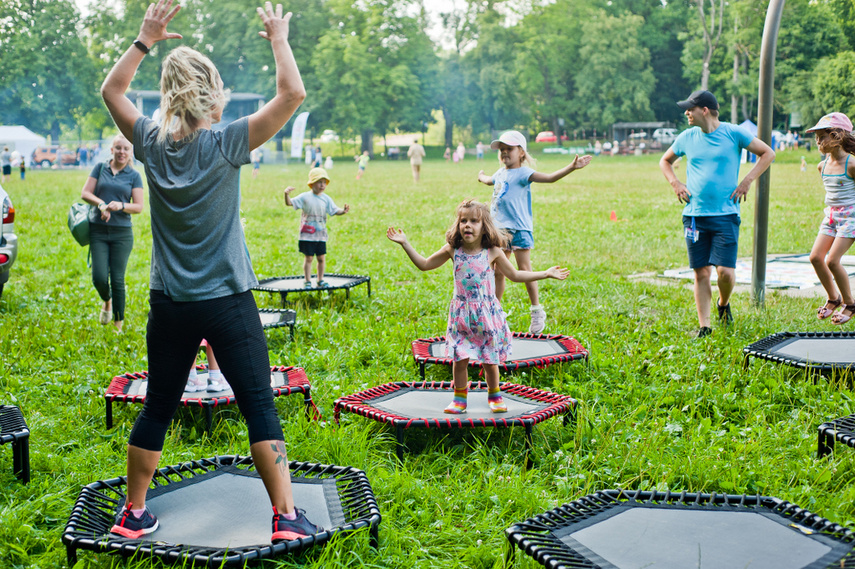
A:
x,y
141,46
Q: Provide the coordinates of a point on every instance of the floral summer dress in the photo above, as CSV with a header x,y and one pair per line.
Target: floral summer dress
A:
x,y
477,327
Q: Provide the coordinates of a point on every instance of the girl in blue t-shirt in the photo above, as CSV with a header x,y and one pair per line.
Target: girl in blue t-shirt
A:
x,y
837,232
511,208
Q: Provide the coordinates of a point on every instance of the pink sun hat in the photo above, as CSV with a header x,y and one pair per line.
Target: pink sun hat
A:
x,y
833,120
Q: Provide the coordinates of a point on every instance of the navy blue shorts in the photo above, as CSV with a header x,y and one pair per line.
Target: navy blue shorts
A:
x,y
312,248
717,240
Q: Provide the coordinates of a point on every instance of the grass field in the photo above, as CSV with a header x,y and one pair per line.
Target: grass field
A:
x,y
658,410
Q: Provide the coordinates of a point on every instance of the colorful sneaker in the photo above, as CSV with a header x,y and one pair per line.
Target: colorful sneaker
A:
x,y
195,383
132,527
287,530
307,284
538,321
218,384
323,284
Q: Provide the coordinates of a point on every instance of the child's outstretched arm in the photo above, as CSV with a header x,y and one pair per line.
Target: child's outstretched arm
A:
x,y
343,211
484,178
577,164
288,191
507,269
434,261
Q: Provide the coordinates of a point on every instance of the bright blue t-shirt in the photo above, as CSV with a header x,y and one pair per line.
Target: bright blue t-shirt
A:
x,y
712,169
511,205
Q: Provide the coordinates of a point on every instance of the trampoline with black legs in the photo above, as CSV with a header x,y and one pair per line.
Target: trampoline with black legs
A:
x,y
13,429
840,430
621,529
407,405
278,318
284,380
216,512
529,350
296,284
822,352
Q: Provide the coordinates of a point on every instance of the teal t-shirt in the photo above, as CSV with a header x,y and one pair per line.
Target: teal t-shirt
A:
x,y
712,170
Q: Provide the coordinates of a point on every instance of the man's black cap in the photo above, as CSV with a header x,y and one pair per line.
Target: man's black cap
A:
x,y
699,98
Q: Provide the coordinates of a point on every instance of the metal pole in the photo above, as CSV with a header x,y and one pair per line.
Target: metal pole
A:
x,y
764,132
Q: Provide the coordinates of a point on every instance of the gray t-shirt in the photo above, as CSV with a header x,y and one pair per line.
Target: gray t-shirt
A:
x,y
5,158
198,246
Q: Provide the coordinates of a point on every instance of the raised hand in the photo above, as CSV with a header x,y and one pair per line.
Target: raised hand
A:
x,y
154,24
396,235
581,161
346,208
557,272
276,25
289,189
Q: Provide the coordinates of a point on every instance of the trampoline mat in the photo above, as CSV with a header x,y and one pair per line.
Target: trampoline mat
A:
x,y
658,538
825,350
521,349
137,387
228,508
413,403
271,318
297,284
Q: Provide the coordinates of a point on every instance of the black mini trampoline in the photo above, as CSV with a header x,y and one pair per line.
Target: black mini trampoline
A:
x,y
13,429
405,405
529,350
284,380
216,512
615,529
837,430
822,352
278,318
295,284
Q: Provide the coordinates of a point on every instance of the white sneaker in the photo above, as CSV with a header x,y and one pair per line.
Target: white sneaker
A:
x,y
196,383
538,321
218,384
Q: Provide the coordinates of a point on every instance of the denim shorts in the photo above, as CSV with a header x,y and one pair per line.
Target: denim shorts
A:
x,y
717,240
838,221
520,240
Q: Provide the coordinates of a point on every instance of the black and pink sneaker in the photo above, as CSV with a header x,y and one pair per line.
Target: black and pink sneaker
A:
x,y
132,527
287,530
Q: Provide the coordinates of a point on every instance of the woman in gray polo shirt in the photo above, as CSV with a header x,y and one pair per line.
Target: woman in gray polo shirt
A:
x,y
115,189
201,274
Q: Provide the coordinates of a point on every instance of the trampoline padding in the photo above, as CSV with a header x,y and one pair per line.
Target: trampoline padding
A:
x,y
430,405
295,284
634,529
815,351
521,349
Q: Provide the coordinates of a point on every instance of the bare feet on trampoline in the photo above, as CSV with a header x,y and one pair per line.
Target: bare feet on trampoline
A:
x,y
538,320
844,315
285,529
132,526
828,309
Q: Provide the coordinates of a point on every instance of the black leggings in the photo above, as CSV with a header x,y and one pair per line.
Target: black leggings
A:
x,y
111,246
232,327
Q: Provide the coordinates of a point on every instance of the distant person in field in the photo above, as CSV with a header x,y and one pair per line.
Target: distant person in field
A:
x,y
477,327
834,139
116,191
511,208
313,236
255,158
712,193
447,153
479,151
201,273
461,151
361,162
5,164
416,152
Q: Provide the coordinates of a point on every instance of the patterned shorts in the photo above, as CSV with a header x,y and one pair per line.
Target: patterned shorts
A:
x,y
839,221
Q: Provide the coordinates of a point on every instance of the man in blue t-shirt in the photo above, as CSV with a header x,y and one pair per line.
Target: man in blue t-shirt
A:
x,y
712,193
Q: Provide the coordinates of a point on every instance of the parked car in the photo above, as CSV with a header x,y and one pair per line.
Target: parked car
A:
x,y
546,136
665,135
47,156
8,239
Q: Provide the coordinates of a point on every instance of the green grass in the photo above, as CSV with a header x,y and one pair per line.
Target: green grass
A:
x,y
657,409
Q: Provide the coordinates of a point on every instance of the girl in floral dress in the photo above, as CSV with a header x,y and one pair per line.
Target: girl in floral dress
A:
x,y
477,328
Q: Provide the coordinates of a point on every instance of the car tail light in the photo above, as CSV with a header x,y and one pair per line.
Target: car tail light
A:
x,y
9,217
4,259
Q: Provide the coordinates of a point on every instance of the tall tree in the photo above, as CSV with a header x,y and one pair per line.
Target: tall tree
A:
x,y
711,23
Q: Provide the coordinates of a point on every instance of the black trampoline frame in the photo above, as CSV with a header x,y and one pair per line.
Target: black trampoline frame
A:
x,y
13,429
575,351
95,509
287,317
535,536
762,350
563,405
297,383
837,430
357,280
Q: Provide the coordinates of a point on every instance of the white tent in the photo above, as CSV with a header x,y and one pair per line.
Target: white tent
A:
x,y
22,139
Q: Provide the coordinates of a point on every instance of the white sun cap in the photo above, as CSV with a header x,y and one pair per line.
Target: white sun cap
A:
x,y
511,138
